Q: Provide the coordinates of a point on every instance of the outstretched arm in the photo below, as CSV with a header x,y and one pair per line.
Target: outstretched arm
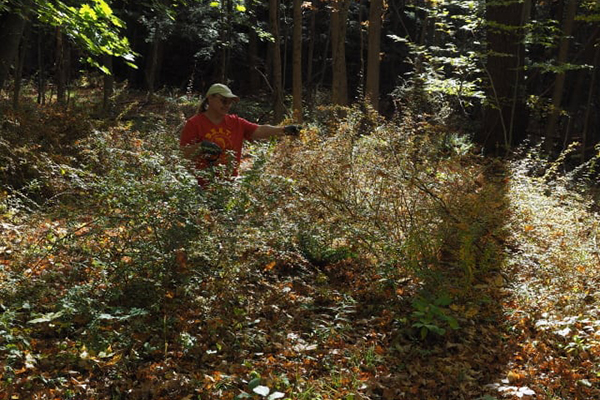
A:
x,y
267,131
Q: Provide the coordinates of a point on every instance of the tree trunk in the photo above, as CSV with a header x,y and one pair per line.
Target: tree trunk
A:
x,y
505,119
19,66
153,64
552,136
297,62
225,38
373,56
361,48
339,19
310,56
278,106
109,83
11,30
61,64
41,81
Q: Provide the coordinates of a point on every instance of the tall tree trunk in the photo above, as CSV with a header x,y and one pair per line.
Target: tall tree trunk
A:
x,y
505,119
310,56
109,83
153,64
61,64
552,136
326,64
278,106
11,31
373,56
339,19
361,48
41,71
297,62
19,66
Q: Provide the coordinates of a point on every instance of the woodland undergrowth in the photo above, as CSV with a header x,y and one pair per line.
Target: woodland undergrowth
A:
x,y
366,259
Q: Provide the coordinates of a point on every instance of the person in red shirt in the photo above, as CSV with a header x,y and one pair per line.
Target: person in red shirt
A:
x,y
209,137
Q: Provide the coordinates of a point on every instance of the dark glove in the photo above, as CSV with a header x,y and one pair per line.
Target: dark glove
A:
x,y
292,130
210,150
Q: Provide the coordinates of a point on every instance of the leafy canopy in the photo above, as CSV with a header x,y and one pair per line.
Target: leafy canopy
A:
x,y
92,25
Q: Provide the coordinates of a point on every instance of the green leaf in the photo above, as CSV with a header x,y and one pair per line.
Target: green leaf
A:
x,y
105,70
87,12
453,323
104,7
444,300
254,383
47,317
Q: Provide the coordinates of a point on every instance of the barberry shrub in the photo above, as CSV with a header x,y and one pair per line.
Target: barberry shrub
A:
x,y
407,193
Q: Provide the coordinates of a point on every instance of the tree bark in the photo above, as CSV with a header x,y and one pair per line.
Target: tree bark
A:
x,y
278,106
61,65
297,62
225,38
109,83
19,66
11,31
339,19
373,56
310,54
552,136
41,81
153,64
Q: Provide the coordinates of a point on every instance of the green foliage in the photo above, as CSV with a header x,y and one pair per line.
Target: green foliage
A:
x,y
93,26
432,316
320,250
15,345
545,33
146,216
450,72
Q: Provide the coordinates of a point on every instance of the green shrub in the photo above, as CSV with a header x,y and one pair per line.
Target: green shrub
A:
x,y
432,315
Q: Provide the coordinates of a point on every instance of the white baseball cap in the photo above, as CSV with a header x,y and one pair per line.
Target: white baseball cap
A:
x,y
220,89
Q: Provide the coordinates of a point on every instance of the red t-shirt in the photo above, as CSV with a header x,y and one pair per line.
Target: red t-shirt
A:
x,y
229,135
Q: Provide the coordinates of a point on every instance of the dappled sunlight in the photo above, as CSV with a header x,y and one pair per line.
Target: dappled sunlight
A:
x,y
553,263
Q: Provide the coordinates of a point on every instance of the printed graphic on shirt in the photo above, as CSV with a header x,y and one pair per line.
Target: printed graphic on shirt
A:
x,y
220,137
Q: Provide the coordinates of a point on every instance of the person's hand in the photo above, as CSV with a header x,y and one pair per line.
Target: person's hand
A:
x,y
292,130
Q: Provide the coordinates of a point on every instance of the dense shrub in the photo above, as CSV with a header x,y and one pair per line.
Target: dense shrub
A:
x,y
33,142
410,195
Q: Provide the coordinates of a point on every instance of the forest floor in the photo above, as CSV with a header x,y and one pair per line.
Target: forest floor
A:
x,y
528,329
